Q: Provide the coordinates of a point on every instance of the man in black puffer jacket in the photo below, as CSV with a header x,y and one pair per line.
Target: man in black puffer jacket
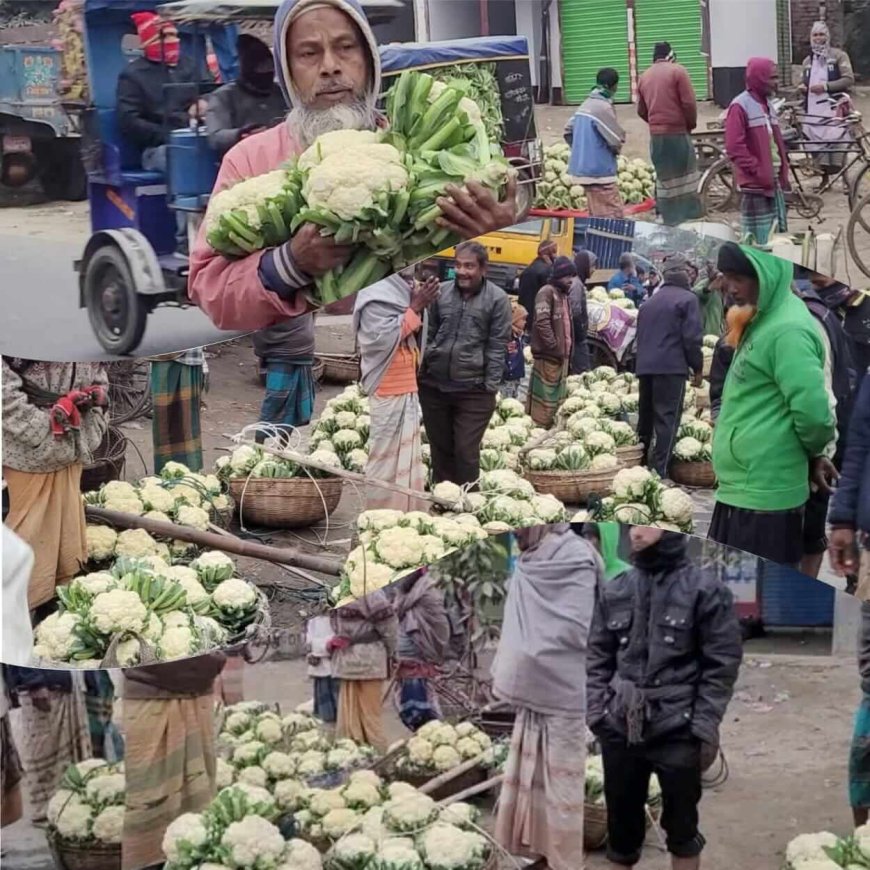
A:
x,y
463,363
664,654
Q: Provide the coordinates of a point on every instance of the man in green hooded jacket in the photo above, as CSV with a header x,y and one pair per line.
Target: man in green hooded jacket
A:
x,y
605,538
775,422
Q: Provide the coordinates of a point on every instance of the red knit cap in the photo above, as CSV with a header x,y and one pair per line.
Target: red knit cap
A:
x,y
159,39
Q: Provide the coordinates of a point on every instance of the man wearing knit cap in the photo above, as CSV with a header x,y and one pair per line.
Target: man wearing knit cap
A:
x,y
669,340
552,343
775,423
147,109
329,68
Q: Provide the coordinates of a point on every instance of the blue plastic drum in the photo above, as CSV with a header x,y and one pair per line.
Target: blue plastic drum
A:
x,y
193,165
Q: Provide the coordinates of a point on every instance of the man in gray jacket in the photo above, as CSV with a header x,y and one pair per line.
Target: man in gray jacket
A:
x,y
664,654
469,331
251,103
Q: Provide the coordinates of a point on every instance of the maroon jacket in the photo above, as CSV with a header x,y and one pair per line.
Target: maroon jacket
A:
x,y
747,141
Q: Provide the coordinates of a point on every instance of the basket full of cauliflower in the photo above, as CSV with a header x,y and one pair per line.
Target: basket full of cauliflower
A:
x,y
692,463
140,610
86,817
438,748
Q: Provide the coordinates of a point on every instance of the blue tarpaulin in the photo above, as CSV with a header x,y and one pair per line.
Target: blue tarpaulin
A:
x,y
419,55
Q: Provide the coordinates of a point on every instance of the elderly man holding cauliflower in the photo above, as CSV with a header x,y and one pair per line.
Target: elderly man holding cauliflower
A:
x,y
328,66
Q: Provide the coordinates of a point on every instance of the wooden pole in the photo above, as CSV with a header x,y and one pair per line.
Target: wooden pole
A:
x,y
227,542
450,775
486,785
306,461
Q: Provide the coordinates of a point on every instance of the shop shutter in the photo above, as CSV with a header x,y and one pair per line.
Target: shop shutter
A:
x,y
594,35
679,23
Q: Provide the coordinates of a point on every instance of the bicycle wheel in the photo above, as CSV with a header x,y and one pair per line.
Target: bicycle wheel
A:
x,y
717,189
859,188
129,390
858,236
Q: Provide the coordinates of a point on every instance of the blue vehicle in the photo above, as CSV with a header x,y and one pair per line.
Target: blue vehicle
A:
x,y
39,131
130,264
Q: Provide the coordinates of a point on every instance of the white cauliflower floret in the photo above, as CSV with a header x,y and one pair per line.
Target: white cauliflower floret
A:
x,y
445,758
135,543
420,750
468,747
808,847
107,789
118,610
326,457
335,142
687,449
347,183
248,753
269,730
253,775
446,847
245,457
361,795
460,814
95,583
56,635
213,566
325,801
246,196
253,842
195,517
677,506
399,548
288,793
234,594
74,819
224,773
118,489
176,643
631,482
300,855
377,520
184,836
279,765
449,492
409,812
336,823
56,803
108,826
101,542
157,498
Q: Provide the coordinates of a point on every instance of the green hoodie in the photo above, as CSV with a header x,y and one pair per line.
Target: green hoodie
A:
x,y
608,535
775,413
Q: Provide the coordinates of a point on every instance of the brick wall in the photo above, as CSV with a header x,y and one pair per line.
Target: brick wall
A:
x,y
804,13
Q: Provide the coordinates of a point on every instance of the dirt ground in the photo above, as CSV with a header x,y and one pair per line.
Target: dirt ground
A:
x,y
785,738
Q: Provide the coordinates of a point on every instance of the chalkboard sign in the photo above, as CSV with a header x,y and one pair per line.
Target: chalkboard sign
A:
x,y
517,100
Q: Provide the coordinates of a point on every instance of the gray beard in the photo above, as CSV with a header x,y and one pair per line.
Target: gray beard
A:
x,y
307,124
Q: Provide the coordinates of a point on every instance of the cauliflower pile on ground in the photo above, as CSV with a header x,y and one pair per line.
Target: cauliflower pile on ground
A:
x,y
88,807
438,747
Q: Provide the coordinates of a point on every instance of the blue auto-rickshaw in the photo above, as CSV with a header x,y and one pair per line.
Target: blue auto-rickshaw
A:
x,y
130,264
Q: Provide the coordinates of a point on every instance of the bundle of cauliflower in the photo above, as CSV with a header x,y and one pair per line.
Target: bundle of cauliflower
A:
x,y
827,851
175,611
438,747
177,495
283,754
640,498
694,441
393,543
615,297
364,824
374,190
88,807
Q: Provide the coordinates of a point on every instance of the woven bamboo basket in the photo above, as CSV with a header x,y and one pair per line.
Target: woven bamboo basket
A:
x,y
594,826
699,475
109,461
317,370
572,487
224,515
285,503
630,456
470,778
77,856
340,369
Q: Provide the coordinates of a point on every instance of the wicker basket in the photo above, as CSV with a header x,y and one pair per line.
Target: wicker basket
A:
x,y
340,369
470,778
698,475
223,516
594,826
572,487
630,456
285,503
317,370
75,856
110,459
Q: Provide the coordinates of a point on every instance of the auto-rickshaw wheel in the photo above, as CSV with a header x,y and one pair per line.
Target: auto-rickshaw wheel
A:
x,y
118,314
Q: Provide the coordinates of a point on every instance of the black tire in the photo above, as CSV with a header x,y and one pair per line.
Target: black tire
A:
x,y
600,354
61,171
856,229
118,314
717,190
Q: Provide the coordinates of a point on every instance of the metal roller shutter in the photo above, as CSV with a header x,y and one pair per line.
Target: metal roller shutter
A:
x,y
679,23
594,35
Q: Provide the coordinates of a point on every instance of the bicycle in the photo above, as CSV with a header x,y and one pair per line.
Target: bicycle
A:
x,y
719,193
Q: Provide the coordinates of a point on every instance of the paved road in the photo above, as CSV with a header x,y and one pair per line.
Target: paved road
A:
x,y
41,318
